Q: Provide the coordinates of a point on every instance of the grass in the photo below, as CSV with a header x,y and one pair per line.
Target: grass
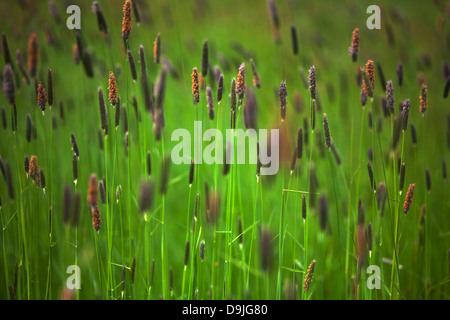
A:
x,y
37,247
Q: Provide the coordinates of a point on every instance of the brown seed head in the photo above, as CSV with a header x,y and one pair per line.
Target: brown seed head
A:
x,y
423,99
408,198
34,168
41,96
33,54
96,218
112,89
126,21
157,49
309,275
354,48
93,191
76,53
241,86
370,69
195,86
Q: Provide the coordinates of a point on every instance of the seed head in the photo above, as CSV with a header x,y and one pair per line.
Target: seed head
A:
x,y
96,218
399,71
408,198
103,111
282,94
41,96
405,114
8,84
112,89
309,275
92,191
210,102
220,88
202,250
157,49
326,130
34,168
390,104
205,59
354,48
33,54
312,82
126,21
241,86
423,100
195,86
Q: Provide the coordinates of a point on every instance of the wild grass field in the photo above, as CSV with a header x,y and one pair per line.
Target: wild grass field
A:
x,y
88,179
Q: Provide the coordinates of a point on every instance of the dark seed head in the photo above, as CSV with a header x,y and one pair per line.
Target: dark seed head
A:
x,y
42,178
361,213
9,180
413,133
50,87
103,111
205,59
26,164
323,213
191,173
74,144
146,195
405,114
250,110
149,164
294,40
75,167
28,127
312,82
266,248
133,270
428,179
220,88
282,94
202,250
372,181
399,72
303,207
326,130
8,84
369,236
444,170
210,102
132,66
336,154
101,188
402,177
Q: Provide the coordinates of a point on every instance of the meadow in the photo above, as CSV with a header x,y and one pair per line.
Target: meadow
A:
x,y
88,186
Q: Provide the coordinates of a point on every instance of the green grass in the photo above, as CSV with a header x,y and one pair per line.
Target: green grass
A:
x,y
37,248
